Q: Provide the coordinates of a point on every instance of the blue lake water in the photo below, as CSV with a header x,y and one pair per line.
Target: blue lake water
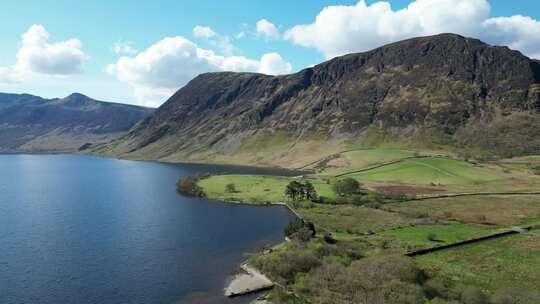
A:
x,y
80,229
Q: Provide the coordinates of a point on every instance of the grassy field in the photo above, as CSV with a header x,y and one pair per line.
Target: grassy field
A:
x,y
395,228
428,236
430,171
494,210
352,220
512,261
363,158
256,188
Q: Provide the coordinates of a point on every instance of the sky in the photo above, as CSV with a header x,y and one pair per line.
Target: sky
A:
x,y
141,52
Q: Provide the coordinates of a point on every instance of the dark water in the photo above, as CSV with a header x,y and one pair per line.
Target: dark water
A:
x,y
77,229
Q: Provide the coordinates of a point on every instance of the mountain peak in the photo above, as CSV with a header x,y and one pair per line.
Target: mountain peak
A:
x,y
446,85
76,95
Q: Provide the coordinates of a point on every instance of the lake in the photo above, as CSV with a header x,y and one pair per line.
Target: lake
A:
x,y
81,229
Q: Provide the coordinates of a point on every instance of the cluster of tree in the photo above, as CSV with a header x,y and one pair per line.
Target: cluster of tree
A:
x,y
347,186
298,191
300,230
385,279
187,185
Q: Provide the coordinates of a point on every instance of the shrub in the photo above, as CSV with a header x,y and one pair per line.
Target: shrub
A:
x,y
396,291
432,237
375,271
285,266
442,301
303,234
187,185
346,186
391,197
440,287
535,169
473,295
294,226
328,238
231,188
515,296
387,279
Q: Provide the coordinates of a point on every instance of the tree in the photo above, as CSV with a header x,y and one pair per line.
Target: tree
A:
x,y
187,185
231,188
346,186
310,192
301,191
294,226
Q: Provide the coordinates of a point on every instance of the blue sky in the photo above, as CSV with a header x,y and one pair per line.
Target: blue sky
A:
x,y
50,65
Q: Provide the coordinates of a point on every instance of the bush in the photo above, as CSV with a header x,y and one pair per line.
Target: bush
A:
x,y
391,197
187,185
432,237
400,292
440,287
231,188
535,169
303,234
473,295
388,279
285,266
293,226
346,186
515,296
328,238
442,301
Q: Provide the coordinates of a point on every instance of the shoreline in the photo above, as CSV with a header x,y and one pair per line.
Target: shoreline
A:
x,y
251,281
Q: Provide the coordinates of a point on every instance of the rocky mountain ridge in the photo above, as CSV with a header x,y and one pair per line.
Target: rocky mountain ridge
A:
x,y
30,123
443,90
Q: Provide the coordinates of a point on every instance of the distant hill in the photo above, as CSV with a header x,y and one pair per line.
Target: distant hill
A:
x,y
33,124
444,91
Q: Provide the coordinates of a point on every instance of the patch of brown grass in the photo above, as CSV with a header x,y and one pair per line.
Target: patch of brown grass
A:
x,y
496,210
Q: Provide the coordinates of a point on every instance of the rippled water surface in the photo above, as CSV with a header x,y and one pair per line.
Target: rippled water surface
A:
x,y
79,229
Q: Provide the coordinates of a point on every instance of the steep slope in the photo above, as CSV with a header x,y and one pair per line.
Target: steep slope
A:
x,y
444,89
33,124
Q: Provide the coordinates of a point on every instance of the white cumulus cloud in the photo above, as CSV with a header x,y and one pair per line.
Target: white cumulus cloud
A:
x,y
37,55
223,42
518,32
342,29
169,64
124,47
203,32
338,30
273,64
267,29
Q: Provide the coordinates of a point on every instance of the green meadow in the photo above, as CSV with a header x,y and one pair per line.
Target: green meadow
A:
x,y
430,171
382,227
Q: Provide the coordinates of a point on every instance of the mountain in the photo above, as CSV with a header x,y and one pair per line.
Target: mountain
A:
x,y
33,124
439,91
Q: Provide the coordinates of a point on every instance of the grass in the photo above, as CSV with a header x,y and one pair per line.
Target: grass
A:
x,y
256,188
363,158
495,210
429,171
512,261
428,236
350,221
